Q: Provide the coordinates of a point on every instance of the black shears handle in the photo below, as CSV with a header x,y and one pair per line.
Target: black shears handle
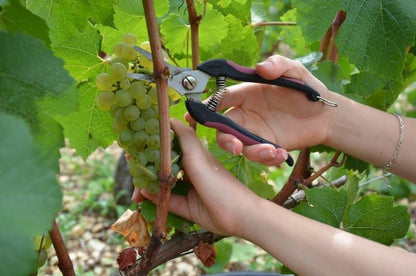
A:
x,y
226,68
206,117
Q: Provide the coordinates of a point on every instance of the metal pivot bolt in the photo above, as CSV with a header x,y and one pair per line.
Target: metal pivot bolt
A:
x,y
189,82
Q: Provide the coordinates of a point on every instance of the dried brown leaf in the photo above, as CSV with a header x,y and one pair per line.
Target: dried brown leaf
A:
x,y
206,253
133,227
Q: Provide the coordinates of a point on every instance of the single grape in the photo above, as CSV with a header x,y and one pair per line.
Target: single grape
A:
x,y
105,99
118,49
130,38
144,102
118,71
138,124
148,113
113,109
141,181
140,138
144,61
153,94
152,155
129,52
119,116
141,158
120,60
137,89
153,187
126,137
125,84
151,171
123,98
118,127
154,141
104,81
152,126
131,113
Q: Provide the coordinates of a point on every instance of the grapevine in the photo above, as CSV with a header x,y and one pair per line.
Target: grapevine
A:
x,y
133,105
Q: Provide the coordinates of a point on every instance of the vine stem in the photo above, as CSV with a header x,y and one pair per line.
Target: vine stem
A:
x,y
65,263
194,20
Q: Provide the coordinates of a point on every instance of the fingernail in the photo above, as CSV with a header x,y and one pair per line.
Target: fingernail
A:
x,y
267,155
230,148
266,64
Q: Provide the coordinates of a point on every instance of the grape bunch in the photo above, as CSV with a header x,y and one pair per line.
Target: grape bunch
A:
x,y
133,105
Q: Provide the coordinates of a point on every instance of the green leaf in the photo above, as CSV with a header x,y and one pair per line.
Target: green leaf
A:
x,y
15,18
88,127
376,218
324,204
149,213
241,9
241,48
330,74
101,11
30,73
64,18
251,174
374,35
29,196
176,33
80,53
351,187
211,39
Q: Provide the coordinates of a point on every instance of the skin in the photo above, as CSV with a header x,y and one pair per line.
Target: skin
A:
x,y
223,205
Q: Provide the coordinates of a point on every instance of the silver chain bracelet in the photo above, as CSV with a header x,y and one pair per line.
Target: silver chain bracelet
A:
x,y
393,159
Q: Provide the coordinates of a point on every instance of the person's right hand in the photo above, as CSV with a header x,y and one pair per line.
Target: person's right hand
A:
x,y
281,115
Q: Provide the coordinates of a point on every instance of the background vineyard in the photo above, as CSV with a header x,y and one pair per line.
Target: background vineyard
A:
x,y
51,51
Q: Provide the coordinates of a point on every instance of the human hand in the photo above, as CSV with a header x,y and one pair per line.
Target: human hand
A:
x,y
217,201
280,115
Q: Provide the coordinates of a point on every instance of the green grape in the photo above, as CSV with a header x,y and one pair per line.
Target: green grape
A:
x,y
130,38
119,116
138,124
145,62
156,109
151,172
148,113
131,113
141,181
105,99
144,102
152,154
118,71
153,187
42,257
123,98
125,84
153,94
121,60
113,109
137,89
118,49
104,81
152,126
154,141
118,127
141,158
140,138
126,137
129,52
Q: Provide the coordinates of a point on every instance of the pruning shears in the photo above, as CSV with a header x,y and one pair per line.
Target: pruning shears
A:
x,y
192,83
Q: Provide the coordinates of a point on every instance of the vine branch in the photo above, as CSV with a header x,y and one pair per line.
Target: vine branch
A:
x,y
64,262
194,20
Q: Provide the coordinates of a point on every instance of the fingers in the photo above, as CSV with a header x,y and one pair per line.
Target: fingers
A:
x,y
263,153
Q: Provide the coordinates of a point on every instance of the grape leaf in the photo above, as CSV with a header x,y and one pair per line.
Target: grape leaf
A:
x,y
88,127
101,11
376,218
80,53
374,35
23,87
63,18
136,7
28,201
238,8
251,174
241,48
15,18
324,204
176,35
330,74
